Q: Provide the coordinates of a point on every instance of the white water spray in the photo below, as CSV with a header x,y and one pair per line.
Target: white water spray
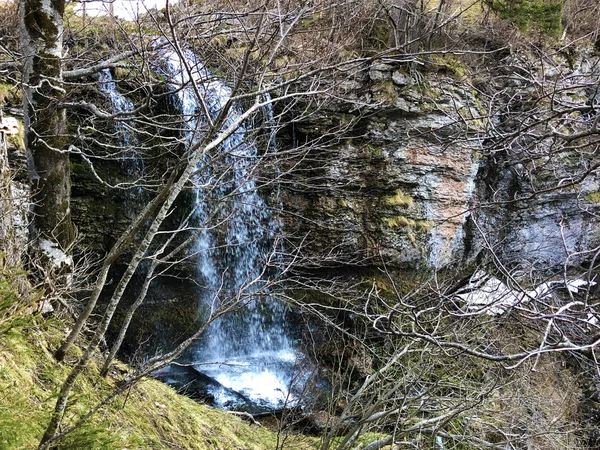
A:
x,y
249,350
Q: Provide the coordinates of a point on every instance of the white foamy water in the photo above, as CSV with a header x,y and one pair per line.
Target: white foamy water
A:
x,y
260,378
248,351
125,134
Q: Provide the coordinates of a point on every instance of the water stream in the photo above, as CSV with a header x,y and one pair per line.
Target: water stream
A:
x,y
248,354
247,359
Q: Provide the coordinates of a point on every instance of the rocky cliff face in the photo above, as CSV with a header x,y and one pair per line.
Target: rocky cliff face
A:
x,y
433,168
430,178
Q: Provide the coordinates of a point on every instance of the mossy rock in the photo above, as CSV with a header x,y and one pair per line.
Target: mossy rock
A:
x,y
399,199
385,91
405,222
449,64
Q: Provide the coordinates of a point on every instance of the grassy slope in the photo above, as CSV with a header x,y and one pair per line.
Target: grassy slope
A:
x,y
150,416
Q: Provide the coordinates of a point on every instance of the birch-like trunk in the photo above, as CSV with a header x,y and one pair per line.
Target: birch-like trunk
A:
x,y
46,137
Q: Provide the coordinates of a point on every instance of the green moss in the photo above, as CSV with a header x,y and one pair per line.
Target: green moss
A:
x,y
398,221
362,441
374,152
431,92
423,225
399,199
449,64
385,91
39,23
79,168
13,305
593,197
150,416
401,221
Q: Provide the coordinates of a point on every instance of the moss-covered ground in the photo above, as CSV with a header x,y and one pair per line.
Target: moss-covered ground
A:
x,y
149,416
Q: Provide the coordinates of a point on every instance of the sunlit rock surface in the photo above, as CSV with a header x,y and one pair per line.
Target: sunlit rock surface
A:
x,y
418,187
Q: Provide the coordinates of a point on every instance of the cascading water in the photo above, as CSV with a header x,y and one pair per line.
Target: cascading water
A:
x,y
124,133
247,352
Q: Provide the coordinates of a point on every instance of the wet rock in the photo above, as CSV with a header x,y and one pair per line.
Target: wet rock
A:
x,y
319,421
398,193
200,387
350,85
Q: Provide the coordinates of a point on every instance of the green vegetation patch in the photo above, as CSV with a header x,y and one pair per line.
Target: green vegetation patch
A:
x,y
374,152
13,305
542,15
399,199
449,64
593,197
149,416
386,92
405,222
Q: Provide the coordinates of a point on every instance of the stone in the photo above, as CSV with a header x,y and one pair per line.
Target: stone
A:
x,y
380,72
45,307
401,79
402,148
350,85
320,421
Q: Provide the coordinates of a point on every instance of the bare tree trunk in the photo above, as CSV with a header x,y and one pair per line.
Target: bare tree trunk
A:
x,y
7,228
45,123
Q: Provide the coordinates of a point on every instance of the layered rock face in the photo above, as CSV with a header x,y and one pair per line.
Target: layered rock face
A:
x,y
432,175
432,169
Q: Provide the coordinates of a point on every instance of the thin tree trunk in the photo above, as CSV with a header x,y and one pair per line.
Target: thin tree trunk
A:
x,y
156,262
121,245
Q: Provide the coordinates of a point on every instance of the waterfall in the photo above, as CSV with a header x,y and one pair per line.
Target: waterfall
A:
x,y
119,104
124,134
248,352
